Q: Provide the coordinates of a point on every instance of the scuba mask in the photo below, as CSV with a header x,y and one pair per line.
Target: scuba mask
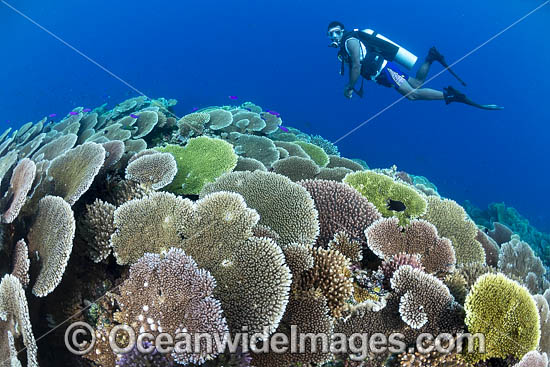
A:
x,y
335,34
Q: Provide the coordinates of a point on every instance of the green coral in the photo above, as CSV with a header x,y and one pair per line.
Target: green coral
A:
x,y
452,222
506,314
199,162
378,188
316,153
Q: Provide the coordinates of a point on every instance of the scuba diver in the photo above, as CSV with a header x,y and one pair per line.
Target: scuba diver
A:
x,y
374,57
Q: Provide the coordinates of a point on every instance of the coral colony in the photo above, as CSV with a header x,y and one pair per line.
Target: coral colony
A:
x,y
223,221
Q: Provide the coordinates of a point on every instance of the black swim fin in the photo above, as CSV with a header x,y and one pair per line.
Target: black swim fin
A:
x,y
453,95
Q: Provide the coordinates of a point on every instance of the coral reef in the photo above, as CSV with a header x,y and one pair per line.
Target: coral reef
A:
x,y
226,220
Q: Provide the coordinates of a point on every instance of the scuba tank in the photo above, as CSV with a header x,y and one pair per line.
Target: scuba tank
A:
x,y
388,49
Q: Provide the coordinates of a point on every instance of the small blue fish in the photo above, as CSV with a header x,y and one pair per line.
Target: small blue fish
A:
x,y
73,113
283,128
233,97
274,113
194,109
86,110
52,115
134,116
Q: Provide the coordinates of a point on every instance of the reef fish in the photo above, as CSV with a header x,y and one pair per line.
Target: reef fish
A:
x,y
52,115
283,128
233,97
274,113
86,110
73,113
194,109
395,205
134,116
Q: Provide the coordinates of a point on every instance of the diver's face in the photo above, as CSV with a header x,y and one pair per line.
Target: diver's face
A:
x,y
335,34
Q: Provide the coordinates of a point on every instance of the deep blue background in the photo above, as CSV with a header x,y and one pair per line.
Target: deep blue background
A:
x,y
275,54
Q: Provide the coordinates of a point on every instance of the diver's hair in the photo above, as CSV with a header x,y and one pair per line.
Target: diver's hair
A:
x,y
335,24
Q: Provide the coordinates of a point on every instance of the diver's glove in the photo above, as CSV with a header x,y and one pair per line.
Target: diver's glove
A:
x,y
452,95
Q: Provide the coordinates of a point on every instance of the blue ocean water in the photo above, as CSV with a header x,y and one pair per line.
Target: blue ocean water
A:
x,y
275,54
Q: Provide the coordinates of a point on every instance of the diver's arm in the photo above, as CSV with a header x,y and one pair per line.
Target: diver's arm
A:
x,y
355,69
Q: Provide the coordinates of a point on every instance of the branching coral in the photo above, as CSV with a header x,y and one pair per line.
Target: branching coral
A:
x,y
296,168
457,286
341,208
96,228
169,293
74,171
299,258
505,313
518,259
451,222
51,236
14,316
544,316
20,184
350,248
284,206
379,188
153,170
386,238
331,276
201,161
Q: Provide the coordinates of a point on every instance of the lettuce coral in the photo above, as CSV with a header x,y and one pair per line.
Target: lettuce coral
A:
x,y
20,184
296,168
153,170
199,162
506,314
379,188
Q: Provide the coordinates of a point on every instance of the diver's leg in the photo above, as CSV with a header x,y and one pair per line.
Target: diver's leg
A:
x,y
422,73
425,94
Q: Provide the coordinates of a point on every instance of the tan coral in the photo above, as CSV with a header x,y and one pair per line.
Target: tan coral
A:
x,y
21,262
73,172
51,237
153,170
20,184
350,248
96,228
14,316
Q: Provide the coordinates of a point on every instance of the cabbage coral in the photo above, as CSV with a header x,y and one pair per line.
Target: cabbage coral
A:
x,y
201,161
337,161
283,205
294,150
452,222
506,314
379,188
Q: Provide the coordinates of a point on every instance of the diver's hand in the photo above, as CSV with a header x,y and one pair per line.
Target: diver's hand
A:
x,y
348,92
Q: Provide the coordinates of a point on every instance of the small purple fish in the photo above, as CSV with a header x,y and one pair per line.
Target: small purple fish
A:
x,y
283,128
86,110
73,113
233,97
194,109
274,113
52,115
134,116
